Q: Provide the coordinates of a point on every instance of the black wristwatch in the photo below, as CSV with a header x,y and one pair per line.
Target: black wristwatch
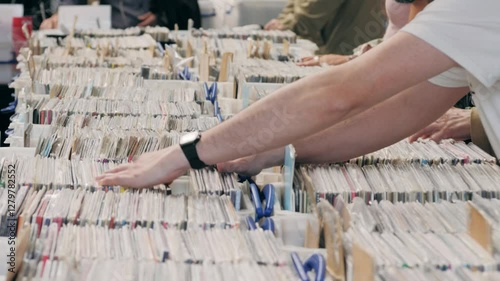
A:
x,y
188,145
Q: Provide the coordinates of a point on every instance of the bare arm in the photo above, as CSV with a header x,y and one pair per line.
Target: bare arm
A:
x,y
321,101
366,132
380,126
299,110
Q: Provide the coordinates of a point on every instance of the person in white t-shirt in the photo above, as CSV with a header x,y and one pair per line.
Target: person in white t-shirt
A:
x,y
368,103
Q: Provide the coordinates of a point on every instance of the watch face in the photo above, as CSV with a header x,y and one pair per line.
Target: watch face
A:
x,y
189,138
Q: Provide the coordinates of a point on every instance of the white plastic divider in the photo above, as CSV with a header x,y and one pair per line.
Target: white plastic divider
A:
x,y
180,186
245,88
210,16
6,152
291,227
234,13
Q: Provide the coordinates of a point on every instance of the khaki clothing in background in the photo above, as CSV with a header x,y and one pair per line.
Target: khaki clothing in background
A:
x,y
478,134
336,26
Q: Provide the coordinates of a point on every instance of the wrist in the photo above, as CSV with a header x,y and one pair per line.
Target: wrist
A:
x,y
180,158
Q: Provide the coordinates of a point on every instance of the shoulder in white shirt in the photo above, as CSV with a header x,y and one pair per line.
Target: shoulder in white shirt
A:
x,y
469,33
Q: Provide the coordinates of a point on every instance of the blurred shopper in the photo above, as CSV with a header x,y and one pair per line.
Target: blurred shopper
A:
x,y
336,26
397,16
142,13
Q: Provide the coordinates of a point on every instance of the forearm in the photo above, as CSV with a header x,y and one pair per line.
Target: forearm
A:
x,y
380,126
268,123
372,129
320,101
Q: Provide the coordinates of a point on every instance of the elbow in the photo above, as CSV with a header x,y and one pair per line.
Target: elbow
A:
x,y
342,95
341,106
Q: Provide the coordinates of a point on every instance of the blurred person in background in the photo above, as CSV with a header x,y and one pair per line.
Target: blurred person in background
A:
x,y
123,13
37,9
398,14
336,26
353,109
460,122
128,13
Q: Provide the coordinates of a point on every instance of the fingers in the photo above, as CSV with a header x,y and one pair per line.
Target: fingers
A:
x,y
144,16
335,59
119,179
414,137
426,132
147,19
269,25
145,23
114,174
43,25
47,24
437,137
308,63
119,169
272,25
366,48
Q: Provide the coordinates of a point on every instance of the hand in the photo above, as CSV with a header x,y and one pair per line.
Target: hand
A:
x,y
365,48
50,23
454,124
147,19
253,165
324,59
274,24
150,169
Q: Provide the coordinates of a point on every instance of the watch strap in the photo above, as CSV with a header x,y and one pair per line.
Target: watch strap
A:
x,y
191,154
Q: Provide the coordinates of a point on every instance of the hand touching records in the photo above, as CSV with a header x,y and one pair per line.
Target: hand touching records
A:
x,y
454,124
149,169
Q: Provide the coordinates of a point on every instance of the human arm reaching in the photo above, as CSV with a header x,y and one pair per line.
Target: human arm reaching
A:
x,y
301,109
363,133
454,124
457,124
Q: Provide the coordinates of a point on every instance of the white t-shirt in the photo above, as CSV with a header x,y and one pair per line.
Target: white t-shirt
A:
x,y
468,31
